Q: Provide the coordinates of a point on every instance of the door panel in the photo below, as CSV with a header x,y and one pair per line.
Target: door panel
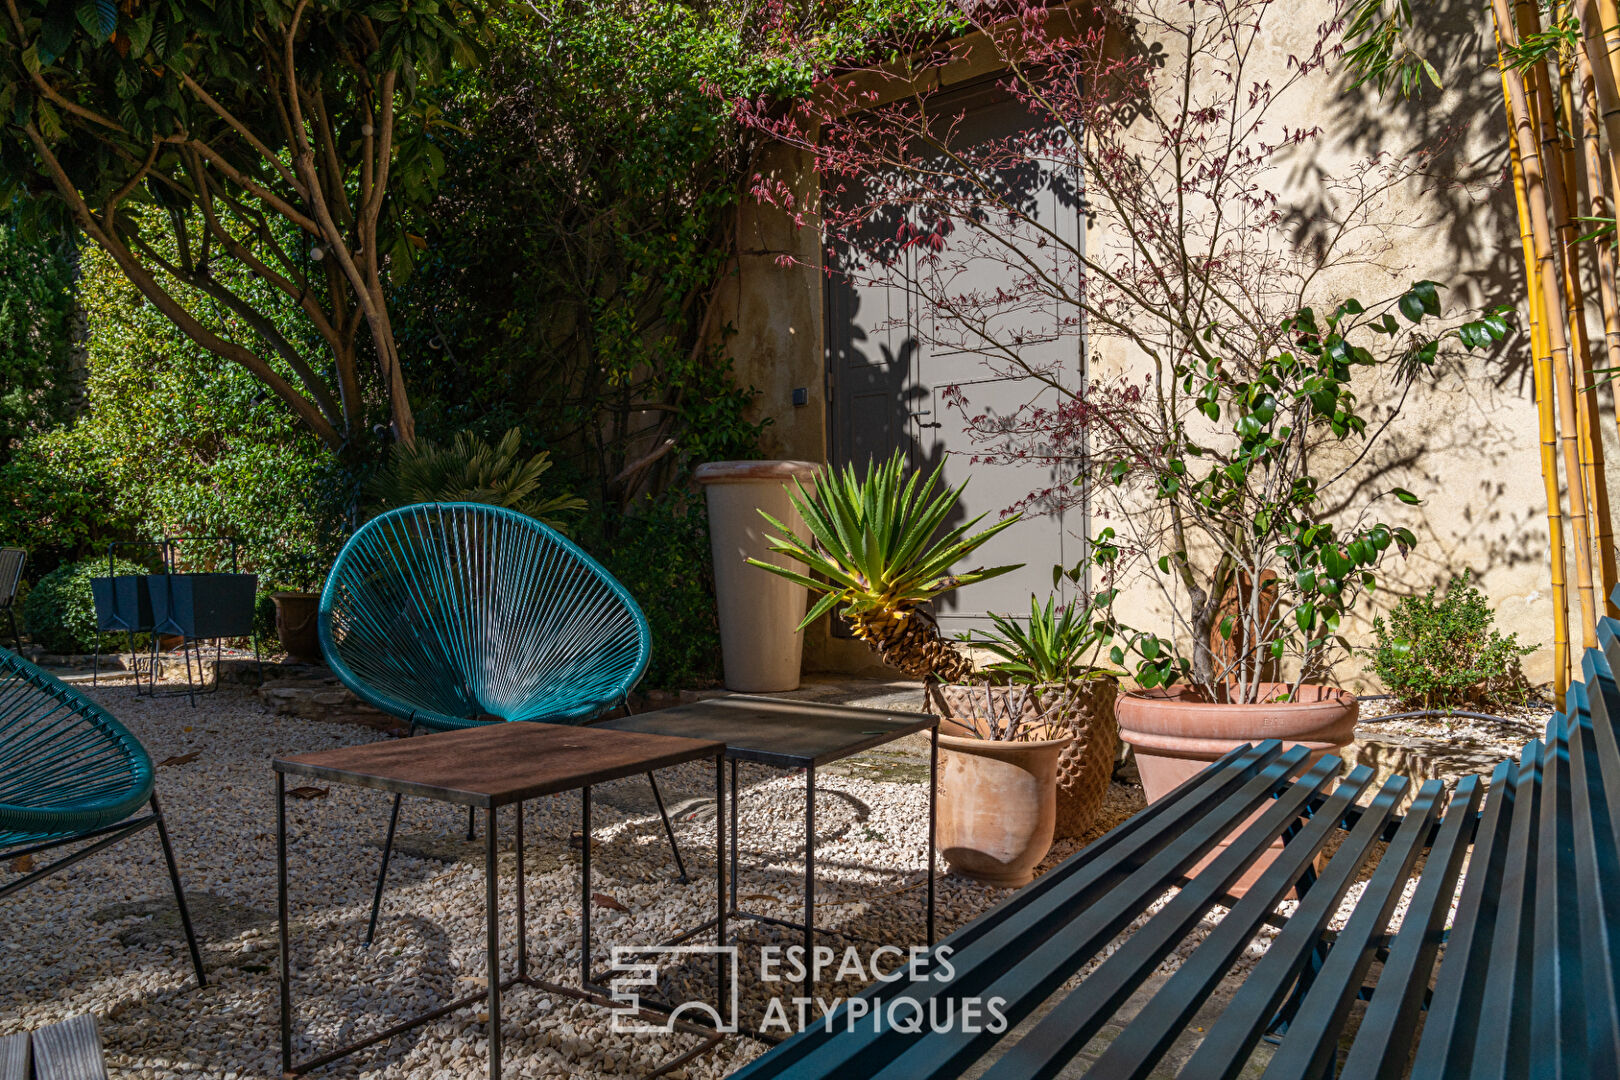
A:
x,y
920,356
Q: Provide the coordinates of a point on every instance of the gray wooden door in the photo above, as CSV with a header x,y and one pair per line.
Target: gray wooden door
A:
x,y
891,357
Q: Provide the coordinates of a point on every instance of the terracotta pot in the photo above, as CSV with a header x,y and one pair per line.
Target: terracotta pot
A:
x,y
1083,710
296,614
997,806
1176,733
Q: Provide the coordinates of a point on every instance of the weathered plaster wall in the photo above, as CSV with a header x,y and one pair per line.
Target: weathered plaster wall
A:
x,y
1467,439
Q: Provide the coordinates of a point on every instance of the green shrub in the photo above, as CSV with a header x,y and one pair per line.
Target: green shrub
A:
x,y
662,556
1438,653
59,610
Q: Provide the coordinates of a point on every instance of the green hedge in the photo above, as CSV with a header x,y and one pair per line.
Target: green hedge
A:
x,y
59,610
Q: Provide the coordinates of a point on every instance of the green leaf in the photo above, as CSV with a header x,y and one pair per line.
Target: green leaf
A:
x,y
1405,496
1411,306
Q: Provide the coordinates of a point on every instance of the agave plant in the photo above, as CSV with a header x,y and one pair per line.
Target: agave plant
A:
x,y
1056,645
471,470
875,556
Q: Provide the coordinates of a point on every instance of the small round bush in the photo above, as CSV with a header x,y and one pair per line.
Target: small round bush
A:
x,y
59,610
1446,652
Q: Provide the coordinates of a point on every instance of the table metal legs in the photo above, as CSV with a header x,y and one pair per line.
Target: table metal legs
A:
x,y
492,916
492,920
933,823
810,881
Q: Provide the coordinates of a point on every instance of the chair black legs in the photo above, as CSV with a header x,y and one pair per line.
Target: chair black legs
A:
x,y
179,893
382,874
472,823
669,830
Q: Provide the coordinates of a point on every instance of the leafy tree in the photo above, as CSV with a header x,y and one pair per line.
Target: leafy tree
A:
x,y
195,140
582,222
37,384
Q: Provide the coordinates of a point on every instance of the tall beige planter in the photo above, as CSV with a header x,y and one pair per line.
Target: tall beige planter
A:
x,y
758,611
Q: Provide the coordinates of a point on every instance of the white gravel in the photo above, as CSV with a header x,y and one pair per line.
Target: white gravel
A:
x,y
102,936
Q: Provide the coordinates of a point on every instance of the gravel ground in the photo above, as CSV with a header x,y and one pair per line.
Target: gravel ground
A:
x,y
102,937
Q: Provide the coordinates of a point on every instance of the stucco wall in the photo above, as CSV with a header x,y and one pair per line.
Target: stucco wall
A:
x,y
1467,437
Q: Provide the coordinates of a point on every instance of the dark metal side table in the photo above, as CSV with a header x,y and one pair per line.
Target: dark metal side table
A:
x,y
488,768
791,734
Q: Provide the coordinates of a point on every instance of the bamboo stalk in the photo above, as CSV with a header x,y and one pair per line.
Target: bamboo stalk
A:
x,y
1593,474
1541,367
1544,186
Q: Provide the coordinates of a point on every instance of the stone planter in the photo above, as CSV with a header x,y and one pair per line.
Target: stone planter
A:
x,y
1085,712
997,806
1175,734
296,614
760,648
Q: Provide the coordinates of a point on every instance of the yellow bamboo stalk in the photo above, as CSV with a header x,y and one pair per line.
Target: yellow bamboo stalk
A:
x,y
1590,441
1541,367
1544,187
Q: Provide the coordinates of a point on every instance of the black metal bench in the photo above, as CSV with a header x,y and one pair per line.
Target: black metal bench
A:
x,y
1520,982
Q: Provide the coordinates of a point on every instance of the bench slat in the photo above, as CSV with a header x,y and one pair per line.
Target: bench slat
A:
x,y
1026,985
1502,1048
70,1050
1384,1040
1598,873
1446,1048
945,1054
1065,1031
1002,943
14,1057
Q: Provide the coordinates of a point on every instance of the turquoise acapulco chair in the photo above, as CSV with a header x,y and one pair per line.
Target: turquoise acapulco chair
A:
x,y
69,772
452,615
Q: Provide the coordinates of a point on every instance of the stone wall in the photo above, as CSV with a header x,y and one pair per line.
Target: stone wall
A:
x,y
1466,442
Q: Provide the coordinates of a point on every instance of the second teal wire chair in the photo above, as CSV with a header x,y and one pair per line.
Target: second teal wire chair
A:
x,y
69,772
453,615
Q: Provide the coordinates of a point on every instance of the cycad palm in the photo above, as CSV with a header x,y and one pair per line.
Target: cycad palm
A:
x,y
471,470
873,551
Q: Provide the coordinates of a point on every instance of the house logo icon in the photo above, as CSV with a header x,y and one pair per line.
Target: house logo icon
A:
x,y
636,970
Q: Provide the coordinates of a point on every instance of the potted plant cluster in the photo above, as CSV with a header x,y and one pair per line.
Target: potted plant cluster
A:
x,y
878,554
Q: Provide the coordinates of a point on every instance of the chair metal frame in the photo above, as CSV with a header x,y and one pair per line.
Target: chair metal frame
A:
x,y
393,533
106,817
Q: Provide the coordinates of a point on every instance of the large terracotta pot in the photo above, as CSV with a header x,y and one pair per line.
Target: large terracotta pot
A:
x,y
1175,734
1083,710
296,615
997,806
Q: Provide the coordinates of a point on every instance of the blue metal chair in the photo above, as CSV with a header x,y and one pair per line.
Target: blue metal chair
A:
x,y
69,772
452,615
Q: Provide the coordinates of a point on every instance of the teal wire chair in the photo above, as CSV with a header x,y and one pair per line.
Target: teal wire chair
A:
x,y
69,772
453,615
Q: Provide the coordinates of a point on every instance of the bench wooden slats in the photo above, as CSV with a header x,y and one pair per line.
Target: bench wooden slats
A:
x,y
70,1050
1447,1044
1525,974
14,1057
1598,869
1383,1043
1028,985
1020,929
1070,1025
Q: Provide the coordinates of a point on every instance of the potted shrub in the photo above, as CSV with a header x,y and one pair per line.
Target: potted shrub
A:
x,y
1217,481
876,559
1047,667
